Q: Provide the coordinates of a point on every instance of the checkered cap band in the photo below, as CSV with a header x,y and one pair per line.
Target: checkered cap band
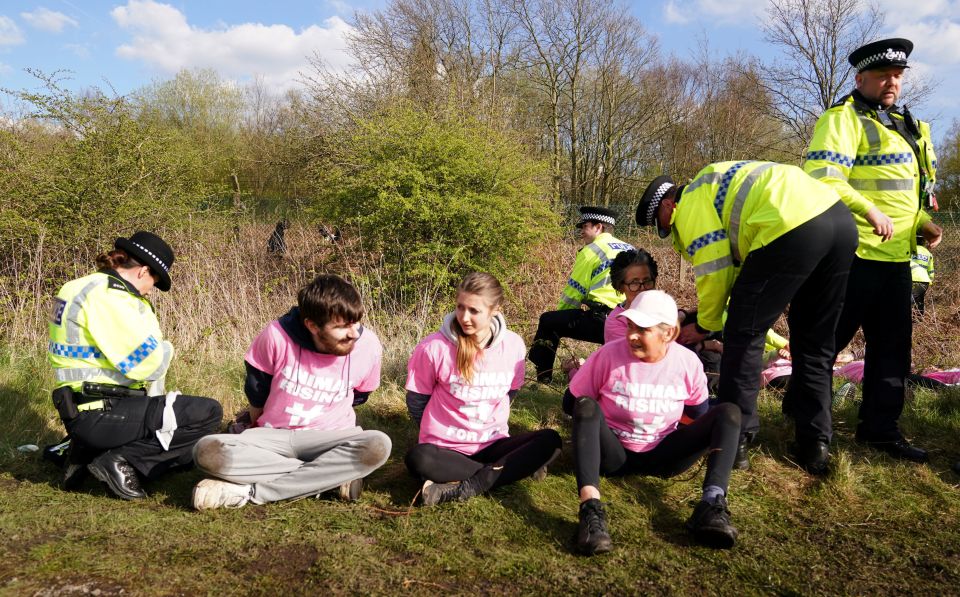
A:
x,y
656,199
889,55
151,254
589,217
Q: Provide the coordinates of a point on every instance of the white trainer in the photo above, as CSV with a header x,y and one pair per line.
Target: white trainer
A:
x,y
214,493
351,490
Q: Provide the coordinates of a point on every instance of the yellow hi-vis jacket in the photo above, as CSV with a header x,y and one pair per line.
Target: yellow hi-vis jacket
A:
x,y
732,208
871,165
102,330
921,265
590,278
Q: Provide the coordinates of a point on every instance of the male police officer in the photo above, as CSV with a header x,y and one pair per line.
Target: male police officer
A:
x,y
881,162
763,235
588,296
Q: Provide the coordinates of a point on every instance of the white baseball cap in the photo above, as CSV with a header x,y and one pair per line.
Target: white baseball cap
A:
x,y
652,307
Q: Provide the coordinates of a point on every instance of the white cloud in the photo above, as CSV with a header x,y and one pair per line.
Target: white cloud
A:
x,y
5,69
48,20
162,37
673,14
9,32
742,12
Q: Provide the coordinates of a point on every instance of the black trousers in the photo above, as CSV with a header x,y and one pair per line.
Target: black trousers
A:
x,y
128,428
806,268
503,462
596,450
569,323
919,293
878,300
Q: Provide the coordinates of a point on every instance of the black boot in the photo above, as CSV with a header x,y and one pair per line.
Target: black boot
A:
x,y
455,491
592,535
118,474
813,456
710,524
742,459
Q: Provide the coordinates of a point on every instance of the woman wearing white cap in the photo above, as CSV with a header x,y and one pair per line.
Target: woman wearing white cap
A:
x,y
630,394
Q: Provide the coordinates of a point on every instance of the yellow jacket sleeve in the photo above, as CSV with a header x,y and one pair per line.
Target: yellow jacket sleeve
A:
x,y
832,152
125,329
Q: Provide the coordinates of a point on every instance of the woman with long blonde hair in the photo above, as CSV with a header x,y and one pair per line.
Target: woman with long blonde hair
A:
x,y
460,382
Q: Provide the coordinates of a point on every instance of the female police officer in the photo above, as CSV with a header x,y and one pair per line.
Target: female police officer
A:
x,y
110,359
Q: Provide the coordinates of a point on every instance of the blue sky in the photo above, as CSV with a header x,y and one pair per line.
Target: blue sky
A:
x,y
129,43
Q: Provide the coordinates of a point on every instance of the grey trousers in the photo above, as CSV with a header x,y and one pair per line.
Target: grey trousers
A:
x,y
283,464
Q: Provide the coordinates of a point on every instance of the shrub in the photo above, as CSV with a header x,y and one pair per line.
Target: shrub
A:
x,y
434,197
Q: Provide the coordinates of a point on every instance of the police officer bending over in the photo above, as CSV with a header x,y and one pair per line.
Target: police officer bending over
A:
x,y
588,297
109,359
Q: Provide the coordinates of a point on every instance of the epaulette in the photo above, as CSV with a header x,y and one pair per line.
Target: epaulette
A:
x,y
841,101
114,284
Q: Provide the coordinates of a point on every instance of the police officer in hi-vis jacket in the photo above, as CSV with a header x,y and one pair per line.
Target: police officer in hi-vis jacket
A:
x,y
760,236
880,160
588,296
109,361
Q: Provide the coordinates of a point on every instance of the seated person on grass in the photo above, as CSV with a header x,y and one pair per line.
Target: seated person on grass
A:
x,y
460,382
305,374
627,400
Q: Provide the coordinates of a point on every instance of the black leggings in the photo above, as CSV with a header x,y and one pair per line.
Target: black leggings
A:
x,y
596,450
501,463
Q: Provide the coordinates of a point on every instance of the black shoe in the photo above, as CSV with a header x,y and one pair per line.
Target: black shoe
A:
x,y
742,460
592,535
813,456
73,476
898,448
710,524
118,474
455,491
956,468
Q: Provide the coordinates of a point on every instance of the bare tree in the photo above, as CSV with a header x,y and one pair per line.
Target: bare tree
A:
x,y
815,38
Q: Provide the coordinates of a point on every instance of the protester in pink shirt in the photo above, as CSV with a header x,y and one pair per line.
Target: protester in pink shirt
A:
x,y
305,374
460,381
631,273
627,400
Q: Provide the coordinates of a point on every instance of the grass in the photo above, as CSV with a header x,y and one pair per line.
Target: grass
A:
x,y
874,526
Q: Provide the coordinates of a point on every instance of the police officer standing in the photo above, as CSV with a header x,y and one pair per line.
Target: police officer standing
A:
x,y
110,360
880,160
588,297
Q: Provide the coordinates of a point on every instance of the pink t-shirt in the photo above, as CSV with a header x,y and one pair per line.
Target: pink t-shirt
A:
x,y
311,390
852,371
614,327
642,402
462,416
777,368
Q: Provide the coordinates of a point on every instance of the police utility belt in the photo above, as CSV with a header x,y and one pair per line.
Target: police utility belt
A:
x,y
93,396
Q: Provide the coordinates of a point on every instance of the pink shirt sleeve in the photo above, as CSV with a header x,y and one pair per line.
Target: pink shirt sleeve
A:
x,y
371,381
266,350
421,370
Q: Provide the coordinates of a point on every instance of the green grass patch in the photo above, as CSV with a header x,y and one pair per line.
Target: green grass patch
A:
x,y
874,526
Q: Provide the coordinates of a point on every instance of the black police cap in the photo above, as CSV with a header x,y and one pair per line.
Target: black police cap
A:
x,y
878,54
650,201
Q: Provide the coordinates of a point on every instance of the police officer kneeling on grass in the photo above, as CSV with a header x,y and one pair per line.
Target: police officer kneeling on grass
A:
x,y
110,359
763,235
588,296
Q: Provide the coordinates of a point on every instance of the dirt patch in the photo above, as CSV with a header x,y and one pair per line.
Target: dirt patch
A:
x,y
97,587
292,561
